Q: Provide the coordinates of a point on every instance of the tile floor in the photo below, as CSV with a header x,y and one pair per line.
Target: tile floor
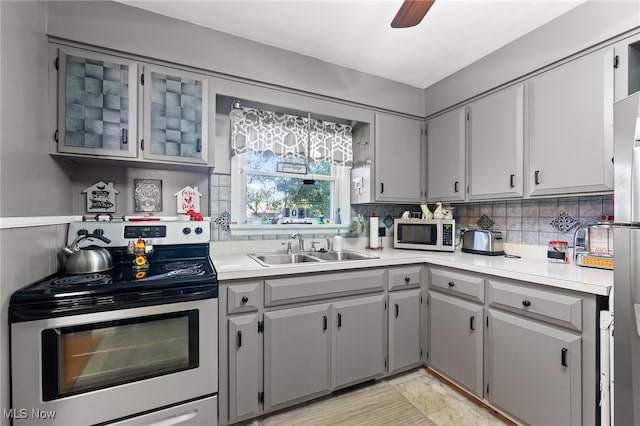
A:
x,y
414,398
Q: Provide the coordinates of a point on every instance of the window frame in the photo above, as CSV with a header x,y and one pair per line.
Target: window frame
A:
x,y
341,198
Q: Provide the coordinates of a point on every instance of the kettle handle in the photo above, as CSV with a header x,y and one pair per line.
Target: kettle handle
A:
x,y
73,247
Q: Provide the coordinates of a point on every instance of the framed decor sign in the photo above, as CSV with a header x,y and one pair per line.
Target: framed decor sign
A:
x,y
297,168
147,195
101,197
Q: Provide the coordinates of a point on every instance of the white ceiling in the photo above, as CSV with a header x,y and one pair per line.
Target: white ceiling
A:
x,y
357,33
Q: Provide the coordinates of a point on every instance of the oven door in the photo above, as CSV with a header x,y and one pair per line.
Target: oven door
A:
x,y
98,367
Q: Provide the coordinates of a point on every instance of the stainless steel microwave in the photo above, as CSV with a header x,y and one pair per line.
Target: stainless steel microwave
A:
x,y
421,234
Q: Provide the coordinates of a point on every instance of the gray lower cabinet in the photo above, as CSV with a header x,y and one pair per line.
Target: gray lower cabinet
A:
x,y
360,328
245,366
534,370
456,340
404,330
297,354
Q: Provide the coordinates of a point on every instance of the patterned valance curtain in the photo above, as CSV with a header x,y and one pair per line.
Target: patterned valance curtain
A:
x,y
290,136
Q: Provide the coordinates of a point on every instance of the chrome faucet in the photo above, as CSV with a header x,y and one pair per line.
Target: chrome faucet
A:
x,y
300,240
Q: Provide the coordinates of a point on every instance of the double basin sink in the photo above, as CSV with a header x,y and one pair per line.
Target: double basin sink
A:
x,y
267,259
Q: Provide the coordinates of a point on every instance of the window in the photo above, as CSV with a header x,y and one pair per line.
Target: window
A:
x,y
289,169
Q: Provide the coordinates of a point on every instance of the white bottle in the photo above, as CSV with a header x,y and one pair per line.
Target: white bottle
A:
x,y
373,231
337,243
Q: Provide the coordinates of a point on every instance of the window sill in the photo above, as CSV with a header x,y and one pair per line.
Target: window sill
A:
x,y
286,229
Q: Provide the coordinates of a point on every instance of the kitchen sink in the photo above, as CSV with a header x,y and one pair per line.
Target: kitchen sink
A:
x,y
342,255
282,258
267,259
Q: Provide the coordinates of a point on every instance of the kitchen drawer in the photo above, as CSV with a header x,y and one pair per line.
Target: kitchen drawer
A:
x,y
280,291
404,277
547,305
244,297
464,285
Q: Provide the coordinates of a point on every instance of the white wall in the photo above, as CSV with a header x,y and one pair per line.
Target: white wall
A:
x,y
582,27
32,183
117,26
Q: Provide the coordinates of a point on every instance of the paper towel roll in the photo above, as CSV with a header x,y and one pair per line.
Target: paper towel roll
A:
x,y
373,232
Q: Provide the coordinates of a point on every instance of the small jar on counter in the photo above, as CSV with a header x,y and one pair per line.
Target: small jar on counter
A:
x,y
557,252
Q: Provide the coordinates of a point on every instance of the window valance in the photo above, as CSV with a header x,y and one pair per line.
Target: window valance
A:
x,y
290,136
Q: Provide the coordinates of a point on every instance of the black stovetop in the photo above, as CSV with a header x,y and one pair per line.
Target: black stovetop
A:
x,y
175,273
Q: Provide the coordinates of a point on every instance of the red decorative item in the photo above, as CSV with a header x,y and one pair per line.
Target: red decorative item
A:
x,y
194,215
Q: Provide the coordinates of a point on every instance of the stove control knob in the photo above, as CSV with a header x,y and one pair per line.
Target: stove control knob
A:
x,y
198,230
186,231
98,231
82,232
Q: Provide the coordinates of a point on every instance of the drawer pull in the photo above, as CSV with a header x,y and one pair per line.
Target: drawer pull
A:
x,y
239,338
526,303
471,323
512,183
245,299
397,310
339,320
407,280
563,359
451,283
324,322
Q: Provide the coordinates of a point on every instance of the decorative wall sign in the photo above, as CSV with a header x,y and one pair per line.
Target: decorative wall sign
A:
x,y
101,197
297,168
188,198
147,195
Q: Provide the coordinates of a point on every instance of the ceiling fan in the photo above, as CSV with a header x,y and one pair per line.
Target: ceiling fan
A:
x,y
411,13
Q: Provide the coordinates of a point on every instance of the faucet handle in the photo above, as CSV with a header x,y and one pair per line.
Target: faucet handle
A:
x,y
288,244
313,245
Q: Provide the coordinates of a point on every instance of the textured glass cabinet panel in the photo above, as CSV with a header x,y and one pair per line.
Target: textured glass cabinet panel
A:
x,y
97,104
175,116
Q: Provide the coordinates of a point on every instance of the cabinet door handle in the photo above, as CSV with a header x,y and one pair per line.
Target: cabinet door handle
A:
x,y
239,338
471,323
407,280
381,187
397,310
536,177
339,320
324,322
451,283
456,186
198,145
125,136
526,303
512,182
563,358
245,299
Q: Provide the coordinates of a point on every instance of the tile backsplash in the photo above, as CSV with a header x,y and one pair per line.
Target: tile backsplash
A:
x,y
532,222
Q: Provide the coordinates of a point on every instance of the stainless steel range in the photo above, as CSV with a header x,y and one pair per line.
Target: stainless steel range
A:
x,y
133,345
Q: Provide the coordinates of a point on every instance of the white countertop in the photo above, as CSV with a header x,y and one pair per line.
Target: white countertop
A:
x,y
532,269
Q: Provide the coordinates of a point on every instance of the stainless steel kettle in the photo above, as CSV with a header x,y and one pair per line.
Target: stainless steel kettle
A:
x,y
87,259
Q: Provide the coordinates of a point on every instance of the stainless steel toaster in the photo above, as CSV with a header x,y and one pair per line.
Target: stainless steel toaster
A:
x,y
480,241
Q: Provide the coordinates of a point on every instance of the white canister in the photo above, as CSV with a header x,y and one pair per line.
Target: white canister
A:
x,y
337,243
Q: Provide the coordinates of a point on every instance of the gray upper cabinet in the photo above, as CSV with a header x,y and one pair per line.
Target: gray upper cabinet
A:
x,y
571,127
176,115
627,67
496,144
398,159
446,156
534,371
97,104
114,108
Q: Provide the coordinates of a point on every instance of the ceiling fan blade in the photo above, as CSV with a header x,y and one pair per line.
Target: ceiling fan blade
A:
x,y
411,13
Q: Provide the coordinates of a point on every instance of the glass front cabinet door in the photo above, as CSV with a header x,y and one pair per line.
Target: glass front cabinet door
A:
x,y
175,111
97,105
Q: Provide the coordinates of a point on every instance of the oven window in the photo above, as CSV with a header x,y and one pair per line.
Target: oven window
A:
x,y
425,234
94,356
